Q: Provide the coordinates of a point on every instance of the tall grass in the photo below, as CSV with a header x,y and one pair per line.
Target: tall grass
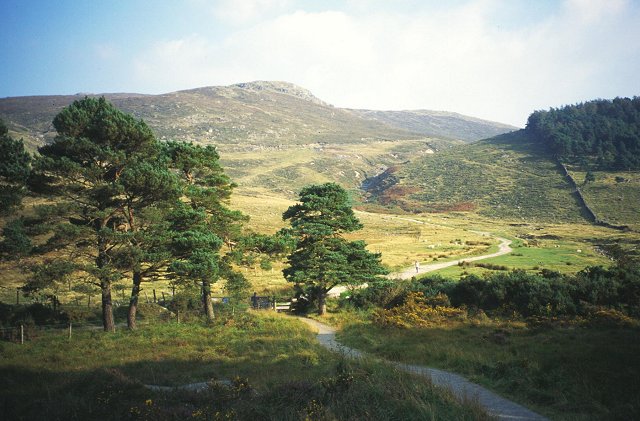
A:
x,y
568,373
272,366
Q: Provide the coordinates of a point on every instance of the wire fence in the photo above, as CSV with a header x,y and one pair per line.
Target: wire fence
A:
x,y
28,328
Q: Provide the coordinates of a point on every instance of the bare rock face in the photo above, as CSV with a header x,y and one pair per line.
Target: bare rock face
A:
x,y
281,88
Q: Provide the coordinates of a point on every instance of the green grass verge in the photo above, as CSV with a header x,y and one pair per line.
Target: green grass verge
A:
x,y
566,373
278,370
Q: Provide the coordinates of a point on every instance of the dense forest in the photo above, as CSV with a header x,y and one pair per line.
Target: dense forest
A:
x,y
599,134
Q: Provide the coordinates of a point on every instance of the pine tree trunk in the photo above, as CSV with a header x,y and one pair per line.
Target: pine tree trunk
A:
x,y
105,284
133,301
107,307
322,303
206,299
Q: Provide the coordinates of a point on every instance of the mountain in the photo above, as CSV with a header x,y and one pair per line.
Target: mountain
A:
x,y
254,113
441,124
272,136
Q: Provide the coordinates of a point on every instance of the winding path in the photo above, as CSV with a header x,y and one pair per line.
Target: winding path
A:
x,y
463,389
503,248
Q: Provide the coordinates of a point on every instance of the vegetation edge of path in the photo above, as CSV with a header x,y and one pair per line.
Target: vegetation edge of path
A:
x,y
463,389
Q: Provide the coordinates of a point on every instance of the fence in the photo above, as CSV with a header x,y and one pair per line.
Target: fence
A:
x,y
270,303
592,216
25,332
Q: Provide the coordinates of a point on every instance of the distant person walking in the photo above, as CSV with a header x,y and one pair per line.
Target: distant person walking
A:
x,y
417,266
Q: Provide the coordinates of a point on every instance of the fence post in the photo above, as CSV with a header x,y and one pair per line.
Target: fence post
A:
x,y
154,296
163,299
69,330
21,334
177,316
17,296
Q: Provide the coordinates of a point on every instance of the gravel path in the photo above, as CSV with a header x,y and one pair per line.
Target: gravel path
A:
x,y
497,406
503,248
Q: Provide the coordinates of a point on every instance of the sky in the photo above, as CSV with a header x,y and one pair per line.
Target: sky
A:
x,y
494,59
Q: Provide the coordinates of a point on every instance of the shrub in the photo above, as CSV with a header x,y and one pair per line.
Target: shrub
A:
x,y
610,318
380,293
418,311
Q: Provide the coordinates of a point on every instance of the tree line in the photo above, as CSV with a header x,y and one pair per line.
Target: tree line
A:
x,y
116,203
600,134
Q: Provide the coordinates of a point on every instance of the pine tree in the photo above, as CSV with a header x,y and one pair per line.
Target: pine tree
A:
x,y
203,223
82,170
323,259
14,170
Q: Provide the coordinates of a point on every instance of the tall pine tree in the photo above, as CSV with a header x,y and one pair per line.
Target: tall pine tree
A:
x,y
82,170
323,259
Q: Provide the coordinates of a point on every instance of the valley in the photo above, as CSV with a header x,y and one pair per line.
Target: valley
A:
x,y
558,294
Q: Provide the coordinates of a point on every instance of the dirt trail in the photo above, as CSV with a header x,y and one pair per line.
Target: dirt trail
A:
x,y
503,248
463,389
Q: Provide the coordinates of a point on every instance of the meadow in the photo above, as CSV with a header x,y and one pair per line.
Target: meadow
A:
x,y
571,372
260,366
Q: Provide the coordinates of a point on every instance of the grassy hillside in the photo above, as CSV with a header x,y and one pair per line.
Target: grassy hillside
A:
x,y
272,136
442,124
508,176
614,195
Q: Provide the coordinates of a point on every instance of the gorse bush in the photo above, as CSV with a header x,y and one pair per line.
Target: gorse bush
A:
x,y
419,311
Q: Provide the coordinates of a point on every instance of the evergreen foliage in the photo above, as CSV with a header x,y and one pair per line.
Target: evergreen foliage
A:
x,y
602,133
85,171
14,170
16,240
323,259
203,223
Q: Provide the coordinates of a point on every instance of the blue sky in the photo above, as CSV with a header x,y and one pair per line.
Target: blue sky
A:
x,y
493,59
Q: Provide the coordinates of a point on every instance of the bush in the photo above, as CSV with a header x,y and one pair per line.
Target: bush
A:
x,y
419,311
607,318
37,314
380,293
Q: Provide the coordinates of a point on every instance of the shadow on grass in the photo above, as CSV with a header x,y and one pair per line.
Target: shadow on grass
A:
x,y
277,371
566,373
341,390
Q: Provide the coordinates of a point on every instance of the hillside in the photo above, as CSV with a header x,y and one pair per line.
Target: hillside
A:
x,y
272,136
514,176
510,176
244,115
442,124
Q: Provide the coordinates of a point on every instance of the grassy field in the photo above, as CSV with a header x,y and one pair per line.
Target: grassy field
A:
x,y
402,239
571,373
613,196
273,365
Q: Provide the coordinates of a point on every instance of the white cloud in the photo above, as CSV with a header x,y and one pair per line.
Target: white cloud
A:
x,y
245,11
456,59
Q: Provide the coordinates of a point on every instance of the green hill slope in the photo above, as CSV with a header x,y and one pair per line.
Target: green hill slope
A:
x,y
440,124
508,176
272,136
